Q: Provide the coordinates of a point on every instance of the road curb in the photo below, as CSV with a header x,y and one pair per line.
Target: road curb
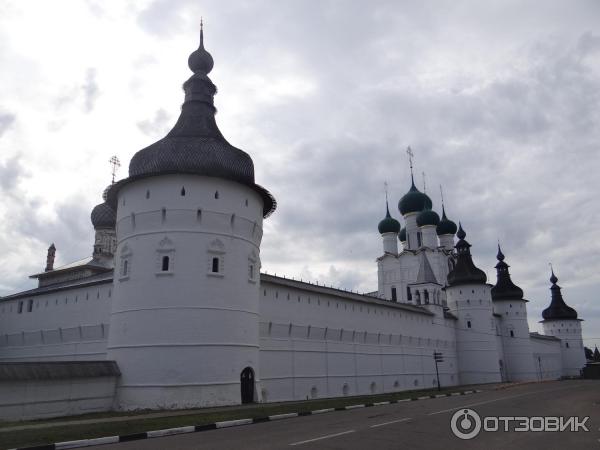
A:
x,y
225,424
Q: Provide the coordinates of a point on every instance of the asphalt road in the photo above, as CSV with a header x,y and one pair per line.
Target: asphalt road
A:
x,y
423,424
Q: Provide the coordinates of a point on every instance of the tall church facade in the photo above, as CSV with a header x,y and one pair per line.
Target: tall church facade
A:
x,y
171,309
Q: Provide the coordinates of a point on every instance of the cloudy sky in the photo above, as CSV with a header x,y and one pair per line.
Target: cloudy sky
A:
x,y
498,99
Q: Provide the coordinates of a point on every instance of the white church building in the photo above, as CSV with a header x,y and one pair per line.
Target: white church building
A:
x,y
171,309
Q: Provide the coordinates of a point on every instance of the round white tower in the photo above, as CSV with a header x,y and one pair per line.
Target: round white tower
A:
x,y
389,228
185,310
427,221
446,229
469,299
518,363
560,320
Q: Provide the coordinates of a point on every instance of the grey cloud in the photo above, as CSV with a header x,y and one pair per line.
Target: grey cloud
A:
x,y
11,171
157,126
90,90
6,121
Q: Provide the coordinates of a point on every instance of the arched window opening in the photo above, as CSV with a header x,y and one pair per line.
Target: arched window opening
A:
x,y
165,263
215,265
419,239
125,268
217,195
426,296
512,333
394,294
468,324
418,297
408,294
183,191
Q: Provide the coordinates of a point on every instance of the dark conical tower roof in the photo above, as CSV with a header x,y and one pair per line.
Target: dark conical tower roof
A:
x,y
195,145
505,289
465,271
558,309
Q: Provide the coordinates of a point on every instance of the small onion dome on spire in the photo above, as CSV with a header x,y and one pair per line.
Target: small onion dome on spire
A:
x,y
558,309
388,224
446,226
465,271
414,200
103,216
402,234
505,289
200,61
427,217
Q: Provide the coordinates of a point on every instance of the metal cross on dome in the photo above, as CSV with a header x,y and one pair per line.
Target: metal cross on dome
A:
x,y
410,154
115,163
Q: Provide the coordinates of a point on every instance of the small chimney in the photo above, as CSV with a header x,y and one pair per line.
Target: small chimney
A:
x,y
50,258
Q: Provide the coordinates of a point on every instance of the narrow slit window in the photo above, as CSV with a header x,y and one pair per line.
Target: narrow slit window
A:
x,y
125,267
512,333
165,263
394,295
468,324
408,294
251,271
183,191
215,265
216,194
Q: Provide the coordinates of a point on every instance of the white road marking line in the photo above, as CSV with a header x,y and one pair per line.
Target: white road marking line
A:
x,y
405,400
283,416
381,403
387,423
355,406
233,423
423,398
321,411
323,437
171,431
497,400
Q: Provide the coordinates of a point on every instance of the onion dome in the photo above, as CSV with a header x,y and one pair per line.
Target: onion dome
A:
x,y
465,271
200,61
558,309
103,216
388,224
414,201
505,289
402,234
445,226
195,145
427,217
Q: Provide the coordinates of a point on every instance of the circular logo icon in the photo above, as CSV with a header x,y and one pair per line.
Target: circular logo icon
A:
x,y
465,424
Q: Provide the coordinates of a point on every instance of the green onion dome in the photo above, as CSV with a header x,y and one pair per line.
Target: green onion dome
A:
x,y
427,217
414,201
446,226
402,235
388,224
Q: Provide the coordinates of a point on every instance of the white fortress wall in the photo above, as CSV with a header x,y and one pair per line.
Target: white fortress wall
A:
x,y
546,357
57,324
321,342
